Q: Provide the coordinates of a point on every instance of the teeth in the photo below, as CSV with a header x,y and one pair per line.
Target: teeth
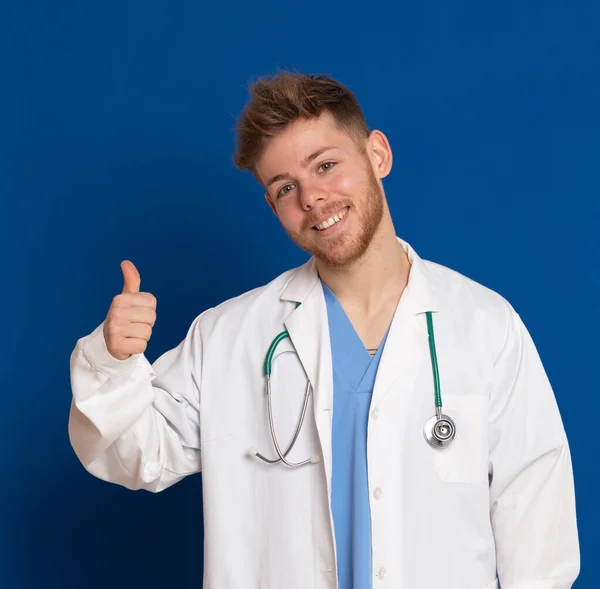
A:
x,y
331,221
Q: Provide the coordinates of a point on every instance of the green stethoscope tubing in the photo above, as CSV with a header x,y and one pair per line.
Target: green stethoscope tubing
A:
x,y
439,431
434,362
271,351
273,347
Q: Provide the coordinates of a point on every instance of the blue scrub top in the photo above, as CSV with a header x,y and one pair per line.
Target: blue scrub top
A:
x,y
353,378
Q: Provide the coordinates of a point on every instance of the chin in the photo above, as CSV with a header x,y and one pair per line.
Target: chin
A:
x,y
337,253
341,255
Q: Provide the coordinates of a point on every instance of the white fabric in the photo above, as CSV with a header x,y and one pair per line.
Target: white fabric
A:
x,y
439,522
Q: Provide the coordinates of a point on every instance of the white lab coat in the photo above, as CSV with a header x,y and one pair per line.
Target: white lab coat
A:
x,y
500,498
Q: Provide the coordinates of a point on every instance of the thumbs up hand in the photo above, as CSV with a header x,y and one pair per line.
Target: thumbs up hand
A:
x,y
132,314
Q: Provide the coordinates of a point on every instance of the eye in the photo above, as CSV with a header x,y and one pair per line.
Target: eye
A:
x,y
282,191
326,166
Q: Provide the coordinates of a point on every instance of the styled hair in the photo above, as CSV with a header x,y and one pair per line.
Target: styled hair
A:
x,y
279,100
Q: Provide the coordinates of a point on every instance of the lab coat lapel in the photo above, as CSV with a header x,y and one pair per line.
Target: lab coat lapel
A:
x,y
309,333
407,345
403,353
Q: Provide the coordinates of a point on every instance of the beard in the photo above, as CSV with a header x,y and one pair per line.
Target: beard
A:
x,y
342,250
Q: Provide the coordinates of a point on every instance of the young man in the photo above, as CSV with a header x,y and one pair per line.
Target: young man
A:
x,y
377,501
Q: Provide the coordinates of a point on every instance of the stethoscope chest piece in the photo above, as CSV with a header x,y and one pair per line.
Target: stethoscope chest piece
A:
x,y
439,431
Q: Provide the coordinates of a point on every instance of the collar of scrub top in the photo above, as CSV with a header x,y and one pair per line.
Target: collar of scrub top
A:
x,y
309,318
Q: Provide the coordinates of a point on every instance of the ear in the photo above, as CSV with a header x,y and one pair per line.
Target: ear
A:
x,y
380,153
271,203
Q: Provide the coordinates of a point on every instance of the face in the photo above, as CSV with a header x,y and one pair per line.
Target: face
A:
x,y
325,191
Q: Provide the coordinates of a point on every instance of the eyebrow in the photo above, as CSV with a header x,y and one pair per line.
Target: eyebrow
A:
x,y
304,163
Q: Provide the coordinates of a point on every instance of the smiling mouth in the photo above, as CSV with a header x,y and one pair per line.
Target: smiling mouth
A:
x,y
331,221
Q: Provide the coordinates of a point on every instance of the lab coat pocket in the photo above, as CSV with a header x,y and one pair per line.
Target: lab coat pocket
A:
x,y
465,460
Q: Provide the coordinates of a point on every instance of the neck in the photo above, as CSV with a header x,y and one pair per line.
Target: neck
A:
x,y
375,280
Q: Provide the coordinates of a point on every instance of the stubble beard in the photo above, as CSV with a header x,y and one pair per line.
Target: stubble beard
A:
x,y
343,250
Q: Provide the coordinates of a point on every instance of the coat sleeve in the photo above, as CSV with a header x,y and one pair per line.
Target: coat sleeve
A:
x,y
134,423
532,495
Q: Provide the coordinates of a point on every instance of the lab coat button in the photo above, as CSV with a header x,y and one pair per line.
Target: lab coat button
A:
x,y
377,493
382,573
375,413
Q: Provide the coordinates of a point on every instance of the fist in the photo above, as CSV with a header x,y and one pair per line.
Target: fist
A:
x,y
131,317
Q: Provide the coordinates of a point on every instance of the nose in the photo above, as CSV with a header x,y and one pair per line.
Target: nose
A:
x,y
310,194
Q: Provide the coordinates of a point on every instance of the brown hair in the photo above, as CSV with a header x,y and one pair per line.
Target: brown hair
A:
x,y
277,101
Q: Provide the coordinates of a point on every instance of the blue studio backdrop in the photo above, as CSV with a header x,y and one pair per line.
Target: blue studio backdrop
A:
x,y
116,136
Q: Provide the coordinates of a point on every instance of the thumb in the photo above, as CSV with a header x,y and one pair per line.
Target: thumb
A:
x,y
131,277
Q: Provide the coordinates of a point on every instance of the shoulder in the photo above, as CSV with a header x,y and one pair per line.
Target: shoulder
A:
x,y
236,311
472,305
465,292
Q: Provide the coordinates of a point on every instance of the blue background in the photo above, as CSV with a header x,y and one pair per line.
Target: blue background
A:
x,y
116,136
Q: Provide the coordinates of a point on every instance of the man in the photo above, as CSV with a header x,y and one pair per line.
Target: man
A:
x,y
373,504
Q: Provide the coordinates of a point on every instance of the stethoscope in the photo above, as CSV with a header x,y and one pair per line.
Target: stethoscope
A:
x,y
439,430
